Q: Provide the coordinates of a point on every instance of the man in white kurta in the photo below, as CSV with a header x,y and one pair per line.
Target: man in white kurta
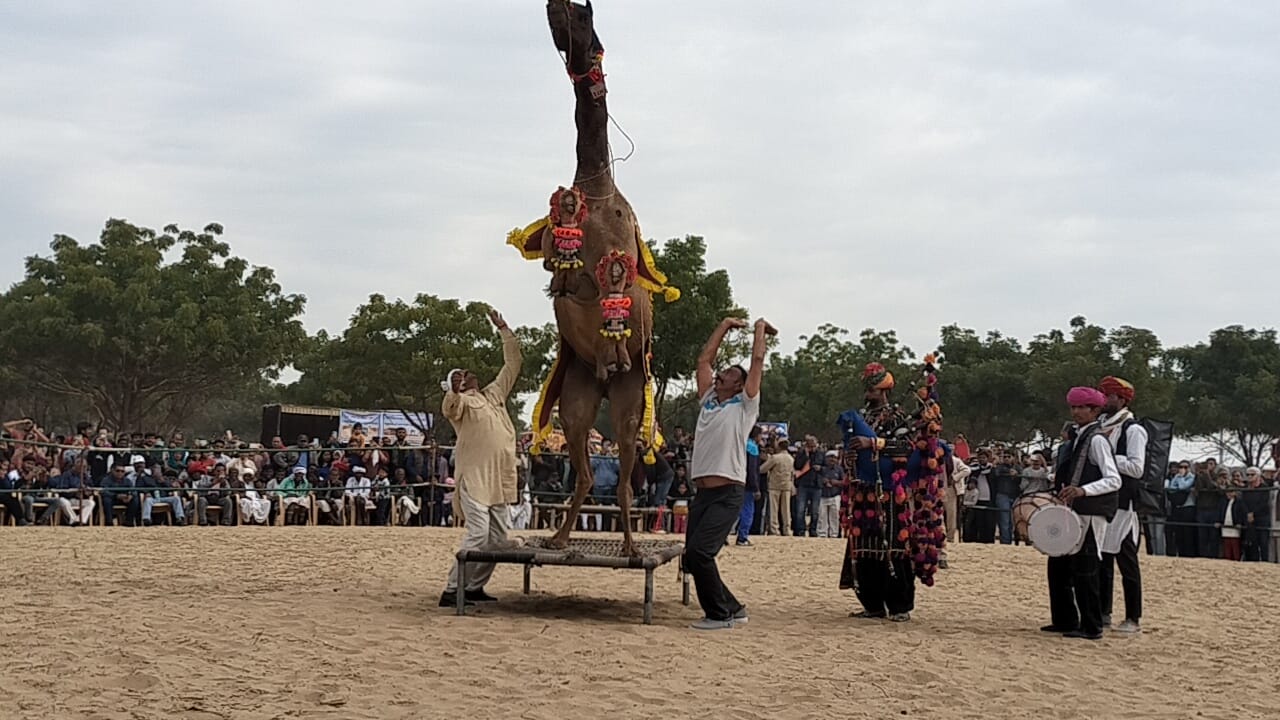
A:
x,y
484,461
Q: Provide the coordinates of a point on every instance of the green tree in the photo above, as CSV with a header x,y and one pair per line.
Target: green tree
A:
x,y
1228,391
823,378
394,354
983,386
143,328
680,329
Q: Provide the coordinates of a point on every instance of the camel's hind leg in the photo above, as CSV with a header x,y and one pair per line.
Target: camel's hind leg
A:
x,y
626,409
579,403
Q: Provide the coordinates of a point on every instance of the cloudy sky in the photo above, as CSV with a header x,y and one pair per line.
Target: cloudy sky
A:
x,y
994,164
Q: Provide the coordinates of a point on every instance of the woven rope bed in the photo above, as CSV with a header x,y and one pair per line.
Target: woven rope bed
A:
x,y
588,552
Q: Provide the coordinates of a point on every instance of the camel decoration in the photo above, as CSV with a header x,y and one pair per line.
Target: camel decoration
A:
x,y
602,276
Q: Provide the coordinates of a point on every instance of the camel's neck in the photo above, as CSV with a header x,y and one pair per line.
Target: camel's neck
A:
x,y
592,119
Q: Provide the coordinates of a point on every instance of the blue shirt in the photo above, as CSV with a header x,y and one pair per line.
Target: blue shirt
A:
x,y
605,472
852,424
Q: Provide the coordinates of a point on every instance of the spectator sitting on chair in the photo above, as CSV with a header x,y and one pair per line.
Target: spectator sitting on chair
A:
x,y
294,498
214,490
78,489
58,494
329,492
255,507
357,494
379,502
165,494
119,490
10,482
406,503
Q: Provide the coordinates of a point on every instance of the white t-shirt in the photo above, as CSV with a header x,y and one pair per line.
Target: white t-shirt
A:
x,y
720,441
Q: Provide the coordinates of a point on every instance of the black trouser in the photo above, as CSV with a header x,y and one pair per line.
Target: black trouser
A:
x,y
1084,576
1185,533
882,590
1257,543
13,506
712,513
132,508
1130,579
979,524
1062,599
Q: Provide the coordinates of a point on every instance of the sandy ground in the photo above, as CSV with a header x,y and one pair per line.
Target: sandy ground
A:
x,y
343,623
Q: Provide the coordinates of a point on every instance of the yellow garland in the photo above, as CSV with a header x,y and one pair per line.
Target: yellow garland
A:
x,y
519,239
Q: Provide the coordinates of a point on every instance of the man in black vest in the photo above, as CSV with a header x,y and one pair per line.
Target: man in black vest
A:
x,y
1129,441
1088,480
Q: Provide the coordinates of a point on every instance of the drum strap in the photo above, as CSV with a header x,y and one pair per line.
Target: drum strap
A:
x,y
1086,438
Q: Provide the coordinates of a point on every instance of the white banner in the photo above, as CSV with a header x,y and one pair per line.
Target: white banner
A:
x,y
370,422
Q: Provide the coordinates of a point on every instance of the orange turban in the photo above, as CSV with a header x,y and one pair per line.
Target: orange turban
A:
x,y
1122,389
876,377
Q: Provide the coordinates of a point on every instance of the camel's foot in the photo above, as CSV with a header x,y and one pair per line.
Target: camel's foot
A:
x,y
559,541
629,549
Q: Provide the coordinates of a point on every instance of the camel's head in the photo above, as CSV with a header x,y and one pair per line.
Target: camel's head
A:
x,y
574,34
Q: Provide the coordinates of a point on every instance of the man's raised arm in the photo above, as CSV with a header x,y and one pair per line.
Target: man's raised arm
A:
x,y
758,347
706,375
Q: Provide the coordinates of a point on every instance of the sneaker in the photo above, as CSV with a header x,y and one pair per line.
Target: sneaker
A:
x,y
1128,627
864,615
1082,635
942,564
1057,629
709,624
450,599
740,617
1106,621
480,596
744,543
900,617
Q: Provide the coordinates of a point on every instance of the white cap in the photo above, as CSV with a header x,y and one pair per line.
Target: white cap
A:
x,y
358,469
137,459
299,469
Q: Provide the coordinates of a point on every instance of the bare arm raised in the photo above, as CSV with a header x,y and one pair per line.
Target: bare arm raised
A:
x,y
706,375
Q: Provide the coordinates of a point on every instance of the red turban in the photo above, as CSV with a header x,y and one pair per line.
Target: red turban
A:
x,y
1086,396
1121,388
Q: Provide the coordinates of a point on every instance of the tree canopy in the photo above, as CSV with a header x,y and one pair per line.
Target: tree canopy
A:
x,y
144,328
394,354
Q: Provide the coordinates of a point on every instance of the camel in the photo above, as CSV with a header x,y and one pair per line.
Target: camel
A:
x,y
591,243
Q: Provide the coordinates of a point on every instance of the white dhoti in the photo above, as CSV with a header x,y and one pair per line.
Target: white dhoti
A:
x,y
255,509
85,506
1125,523
59,505
486,529
326,505
408,508
520,515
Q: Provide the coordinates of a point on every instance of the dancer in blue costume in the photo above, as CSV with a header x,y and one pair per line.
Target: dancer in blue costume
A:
x,y
892,513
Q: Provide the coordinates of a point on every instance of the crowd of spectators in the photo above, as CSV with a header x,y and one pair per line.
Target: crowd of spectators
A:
x,y
142,479
96,477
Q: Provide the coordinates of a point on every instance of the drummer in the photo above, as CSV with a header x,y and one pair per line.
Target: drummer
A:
x,y
1088,481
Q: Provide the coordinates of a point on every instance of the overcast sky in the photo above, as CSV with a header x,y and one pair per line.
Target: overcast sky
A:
x,y
998,164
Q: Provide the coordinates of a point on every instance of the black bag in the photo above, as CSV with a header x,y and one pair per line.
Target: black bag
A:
x,y
1149,501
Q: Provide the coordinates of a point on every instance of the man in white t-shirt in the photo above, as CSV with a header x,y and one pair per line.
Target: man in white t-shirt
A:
x,y
730,405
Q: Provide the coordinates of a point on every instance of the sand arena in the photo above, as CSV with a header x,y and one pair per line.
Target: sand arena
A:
x,y
341,623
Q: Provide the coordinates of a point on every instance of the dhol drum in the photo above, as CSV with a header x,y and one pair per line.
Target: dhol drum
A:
x,y
1026,506
1055,530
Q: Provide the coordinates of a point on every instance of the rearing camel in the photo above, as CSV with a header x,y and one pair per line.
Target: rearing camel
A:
x,y
591,243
